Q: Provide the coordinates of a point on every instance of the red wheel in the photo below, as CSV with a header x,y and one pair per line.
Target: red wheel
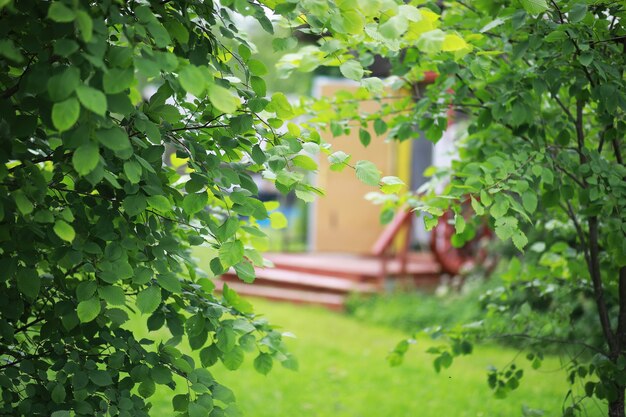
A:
x,y
454,260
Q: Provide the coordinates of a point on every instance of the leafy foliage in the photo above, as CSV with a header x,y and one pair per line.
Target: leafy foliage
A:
x,y
541,86
94,225
96,228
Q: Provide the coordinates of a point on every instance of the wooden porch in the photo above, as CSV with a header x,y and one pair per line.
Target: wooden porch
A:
x,y
328,278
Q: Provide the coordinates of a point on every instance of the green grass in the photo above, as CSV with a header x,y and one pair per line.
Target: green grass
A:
x,y
343,373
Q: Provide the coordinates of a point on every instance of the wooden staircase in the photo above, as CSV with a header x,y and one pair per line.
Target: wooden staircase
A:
x,y
327,279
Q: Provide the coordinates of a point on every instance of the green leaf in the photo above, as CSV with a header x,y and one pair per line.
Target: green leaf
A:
x,y
197,410
114,138
85,25
391,185
257,154
432,41
161,374
147,388
233,358
352,69
257,68
209,355
233,299
367,173
24,205
226,338
65,114
281,106
586,58
304,162
506,227
248,342
338,160
245,271
60,13
478,208
258,86
222,99
192,79
160,203
263,363
133,171
529,201
113,295
306,195
28,283
353,21
194,203
230,253
117,80
149,299
92,99
170,282
9,50
86,158
364,137
100,377
278,220
520,240
577,12
85,290
493,24
547,176
64,230
135,204
453,43
63,85
88,310
459,223
500,207
380,126
394,27
58,393
65,47
535,6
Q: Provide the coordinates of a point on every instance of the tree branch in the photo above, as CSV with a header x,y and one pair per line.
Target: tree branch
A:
x,y
570,175
578,51
598,288
580,133
28,325
579,230
565,109
6,94
621,320
545,340
618,152
593,262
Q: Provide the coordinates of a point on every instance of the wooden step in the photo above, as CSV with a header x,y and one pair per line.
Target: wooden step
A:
x,y
332,301
354,267
284,278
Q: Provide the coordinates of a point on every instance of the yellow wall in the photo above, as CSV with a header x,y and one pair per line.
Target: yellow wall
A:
x,y
343,221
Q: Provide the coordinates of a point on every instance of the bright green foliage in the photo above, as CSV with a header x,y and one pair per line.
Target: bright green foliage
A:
x,y
540,85
94,226
88,203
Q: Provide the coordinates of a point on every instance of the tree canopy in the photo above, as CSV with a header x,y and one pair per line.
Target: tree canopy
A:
x,y
97,224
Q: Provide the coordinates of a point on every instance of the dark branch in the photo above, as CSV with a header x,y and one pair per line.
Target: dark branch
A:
x,y
621,320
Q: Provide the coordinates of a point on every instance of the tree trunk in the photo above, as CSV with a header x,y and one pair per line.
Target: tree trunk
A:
x,y
616,408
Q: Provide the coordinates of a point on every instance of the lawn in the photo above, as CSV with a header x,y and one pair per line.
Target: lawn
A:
x,y
343,373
